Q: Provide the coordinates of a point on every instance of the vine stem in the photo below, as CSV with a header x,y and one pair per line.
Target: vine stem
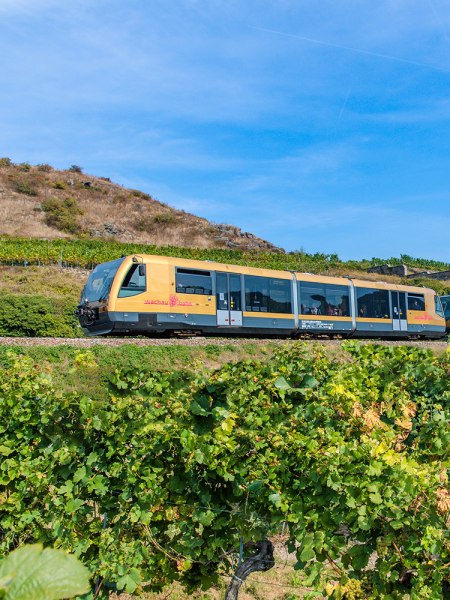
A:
x,y
99,587
333,565
261,561
397,550
159,547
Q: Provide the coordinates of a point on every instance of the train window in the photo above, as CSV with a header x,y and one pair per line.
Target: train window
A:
x,y
193,281
280,295
324,299
134,282
256,294
446,306
100,281
416,302
438,306
372,303
235,293
265,294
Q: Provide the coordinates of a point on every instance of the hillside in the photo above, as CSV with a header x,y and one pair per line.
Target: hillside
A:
x,y
55,226
42,202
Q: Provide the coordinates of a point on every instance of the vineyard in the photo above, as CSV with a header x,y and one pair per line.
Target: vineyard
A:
x,y
168,474
88,253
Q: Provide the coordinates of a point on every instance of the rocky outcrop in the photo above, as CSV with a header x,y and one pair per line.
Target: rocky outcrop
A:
x,y
400,270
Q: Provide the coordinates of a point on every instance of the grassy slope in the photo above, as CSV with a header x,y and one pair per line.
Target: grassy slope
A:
x,y
50,282
88,371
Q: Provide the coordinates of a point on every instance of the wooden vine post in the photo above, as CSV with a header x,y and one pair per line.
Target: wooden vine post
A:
x,y
262,560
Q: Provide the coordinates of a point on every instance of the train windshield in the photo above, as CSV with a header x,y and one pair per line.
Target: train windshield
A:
x,y
100,281
438,306
446,306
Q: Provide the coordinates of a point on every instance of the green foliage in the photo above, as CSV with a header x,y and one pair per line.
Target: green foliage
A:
x,y
62,214
91,371
404,259
165,218
25,167
59,185
442,288
42,281
76,169
5,162
88,253
24,187
37,316
139,194
32,573
160,481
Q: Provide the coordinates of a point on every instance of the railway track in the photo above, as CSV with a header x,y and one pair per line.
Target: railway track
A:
x,y
89,342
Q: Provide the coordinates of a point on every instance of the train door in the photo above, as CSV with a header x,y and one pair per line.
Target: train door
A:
x,y
398,304
229,299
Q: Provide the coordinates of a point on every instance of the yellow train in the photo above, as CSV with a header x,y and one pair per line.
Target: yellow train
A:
x,y
151,295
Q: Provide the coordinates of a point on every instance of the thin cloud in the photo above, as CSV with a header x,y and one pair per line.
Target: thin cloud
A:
x,y
350,49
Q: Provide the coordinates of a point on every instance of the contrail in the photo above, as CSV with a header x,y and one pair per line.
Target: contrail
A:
x,y
344,105
349,48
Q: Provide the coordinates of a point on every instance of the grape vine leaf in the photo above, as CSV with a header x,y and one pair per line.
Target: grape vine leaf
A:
x,y
32,573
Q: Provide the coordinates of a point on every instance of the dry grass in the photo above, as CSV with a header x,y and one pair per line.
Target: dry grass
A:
x,y
366,276
109,211
280,583
43,281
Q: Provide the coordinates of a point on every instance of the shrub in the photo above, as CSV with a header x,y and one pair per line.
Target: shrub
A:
x,y
139,194
44,167
37,316
25,166
58,185
165,218
76,169
145,223
62,214
151,224
24,187
5,162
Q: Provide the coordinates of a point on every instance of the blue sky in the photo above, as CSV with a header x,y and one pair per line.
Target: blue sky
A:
x,y
315,125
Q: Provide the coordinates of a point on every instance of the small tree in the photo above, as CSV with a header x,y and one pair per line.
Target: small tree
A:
x,y
76,169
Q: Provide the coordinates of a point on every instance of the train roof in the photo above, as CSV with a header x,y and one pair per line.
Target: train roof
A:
x,y
259,271
213,266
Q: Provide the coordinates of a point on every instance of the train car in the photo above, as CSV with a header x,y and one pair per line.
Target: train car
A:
x,y
157,295
446,306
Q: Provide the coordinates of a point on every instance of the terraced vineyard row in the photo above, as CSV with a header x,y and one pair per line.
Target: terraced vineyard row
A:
x,y
88,253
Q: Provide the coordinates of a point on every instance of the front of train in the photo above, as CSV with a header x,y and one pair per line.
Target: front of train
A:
x,y
92,311
446,306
